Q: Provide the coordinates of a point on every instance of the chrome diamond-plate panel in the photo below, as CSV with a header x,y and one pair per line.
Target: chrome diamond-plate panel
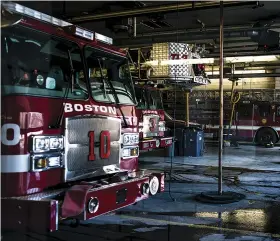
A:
x,y
77,146
39,196
150,125
165,51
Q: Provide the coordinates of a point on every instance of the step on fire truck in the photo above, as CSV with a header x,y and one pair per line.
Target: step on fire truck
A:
x,y
151,115
69,135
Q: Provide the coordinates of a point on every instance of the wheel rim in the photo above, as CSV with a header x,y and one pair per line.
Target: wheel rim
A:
x,y
266,138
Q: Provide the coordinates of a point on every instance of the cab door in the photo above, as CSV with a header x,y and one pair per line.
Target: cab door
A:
x,y
275,109
263,113
244,120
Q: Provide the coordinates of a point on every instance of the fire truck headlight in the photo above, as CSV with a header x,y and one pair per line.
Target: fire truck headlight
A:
x,y
131,151
41,163
154,185
40,80
157,143
145,188
130,138
161,126
47,143
41,144
56,143
93,205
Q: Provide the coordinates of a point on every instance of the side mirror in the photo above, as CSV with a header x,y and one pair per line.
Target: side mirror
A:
x,y
8,18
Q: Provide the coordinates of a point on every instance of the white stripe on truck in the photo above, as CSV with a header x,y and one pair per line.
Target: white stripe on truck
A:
x,y
15,163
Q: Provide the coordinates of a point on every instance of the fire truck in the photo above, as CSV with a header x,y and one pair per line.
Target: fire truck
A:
x,y
151,115
69,129
257,121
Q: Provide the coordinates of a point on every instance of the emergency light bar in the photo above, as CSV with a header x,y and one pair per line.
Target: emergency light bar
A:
x,y
76,30
72,29
103,38
17,8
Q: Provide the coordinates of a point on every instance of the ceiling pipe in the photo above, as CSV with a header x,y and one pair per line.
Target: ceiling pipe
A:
x,y
186,37
206,30
232,46
201,41
167,8
243,53
180,38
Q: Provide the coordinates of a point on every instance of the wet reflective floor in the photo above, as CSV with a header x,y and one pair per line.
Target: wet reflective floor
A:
x,y
265,220
259,220
175,215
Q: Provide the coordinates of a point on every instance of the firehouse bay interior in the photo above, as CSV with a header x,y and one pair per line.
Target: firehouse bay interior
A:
x,y
140,120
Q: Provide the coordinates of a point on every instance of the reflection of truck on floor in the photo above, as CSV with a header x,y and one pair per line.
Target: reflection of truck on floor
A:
x,y
151,118
69,134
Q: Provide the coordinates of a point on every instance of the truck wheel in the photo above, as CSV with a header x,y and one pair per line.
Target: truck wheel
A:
x,y
266,136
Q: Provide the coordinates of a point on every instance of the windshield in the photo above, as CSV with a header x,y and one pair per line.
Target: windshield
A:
x,y
264,109
154,99
109,73
37,64
141,98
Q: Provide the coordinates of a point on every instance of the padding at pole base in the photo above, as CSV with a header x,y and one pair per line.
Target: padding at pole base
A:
x,y
216,198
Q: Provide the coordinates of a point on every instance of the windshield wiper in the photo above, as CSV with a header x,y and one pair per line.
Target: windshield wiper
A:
x,y
118,102
103,81
60,117
114,94
124,92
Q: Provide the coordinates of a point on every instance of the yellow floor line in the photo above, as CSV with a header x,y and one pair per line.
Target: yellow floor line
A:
x,y
201,226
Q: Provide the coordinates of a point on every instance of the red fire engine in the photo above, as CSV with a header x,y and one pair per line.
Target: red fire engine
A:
x,y
257,121
150,113
69,136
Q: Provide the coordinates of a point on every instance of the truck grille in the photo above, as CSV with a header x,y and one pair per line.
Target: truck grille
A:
x,y
77,145
150,125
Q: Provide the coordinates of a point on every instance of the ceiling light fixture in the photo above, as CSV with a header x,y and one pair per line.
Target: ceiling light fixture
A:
x,y
244,59
257,71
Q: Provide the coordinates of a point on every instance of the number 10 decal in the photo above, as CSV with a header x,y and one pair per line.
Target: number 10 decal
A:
x,y
105,141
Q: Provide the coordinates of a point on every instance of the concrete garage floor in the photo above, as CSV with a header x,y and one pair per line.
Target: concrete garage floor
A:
x,y
174,215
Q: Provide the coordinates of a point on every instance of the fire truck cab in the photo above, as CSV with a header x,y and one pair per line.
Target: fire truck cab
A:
x,y
150,113
69,129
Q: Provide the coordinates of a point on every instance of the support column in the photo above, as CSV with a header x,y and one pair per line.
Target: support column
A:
x,y
277,80
220,197
221,129
187,95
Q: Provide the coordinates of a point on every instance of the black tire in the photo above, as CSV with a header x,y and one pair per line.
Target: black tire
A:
x,y
266,136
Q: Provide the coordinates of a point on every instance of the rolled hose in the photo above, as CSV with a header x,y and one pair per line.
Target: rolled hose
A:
x,y
234,100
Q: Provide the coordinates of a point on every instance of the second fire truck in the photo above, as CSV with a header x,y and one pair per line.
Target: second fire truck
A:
x,y
151,116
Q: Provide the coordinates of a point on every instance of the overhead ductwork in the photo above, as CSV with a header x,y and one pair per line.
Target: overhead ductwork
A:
x,y
190,35
167,8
